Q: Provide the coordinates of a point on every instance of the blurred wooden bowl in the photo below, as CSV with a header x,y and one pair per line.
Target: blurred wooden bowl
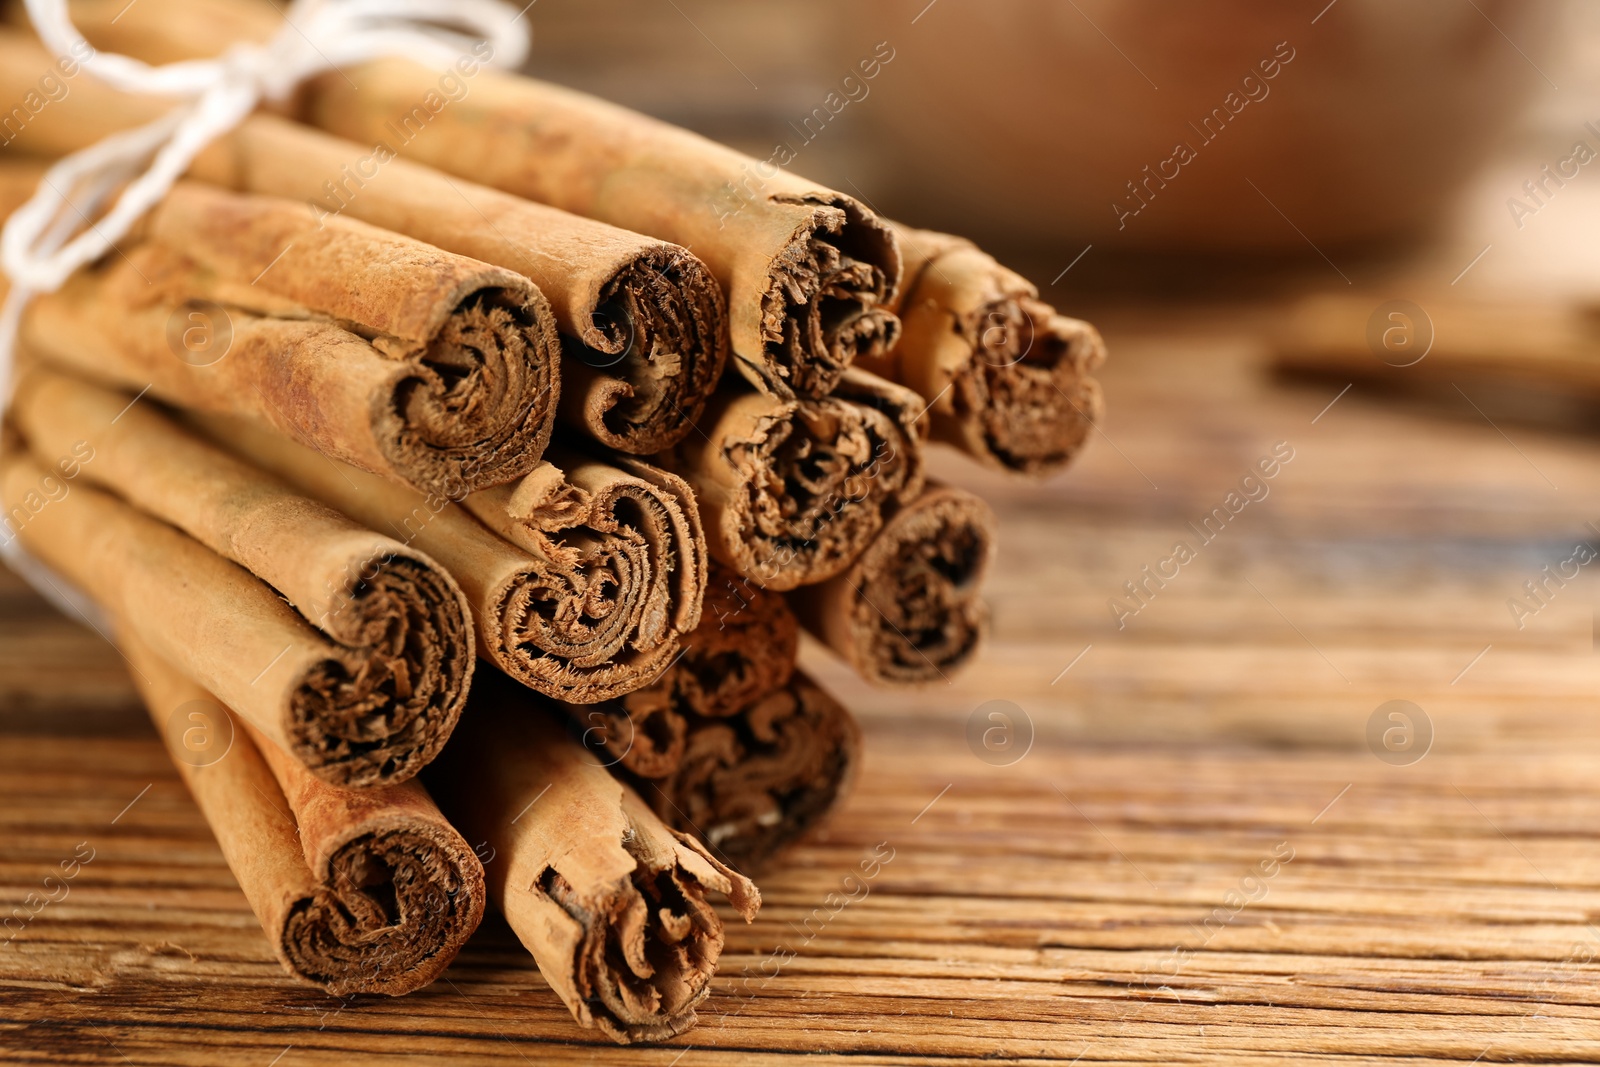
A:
x,y
1027,119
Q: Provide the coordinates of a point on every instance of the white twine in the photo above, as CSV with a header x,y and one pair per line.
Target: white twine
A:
x,y
50,236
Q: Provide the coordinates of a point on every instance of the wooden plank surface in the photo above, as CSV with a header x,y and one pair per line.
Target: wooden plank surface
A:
x,y
1101,900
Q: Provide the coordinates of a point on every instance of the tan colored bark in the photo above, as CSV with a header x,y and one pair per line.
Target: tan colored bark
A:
x,y
809,271
359,891
909,610
585,584
354,715
790,491
610,901
645,321
432,369
1008,379
361,588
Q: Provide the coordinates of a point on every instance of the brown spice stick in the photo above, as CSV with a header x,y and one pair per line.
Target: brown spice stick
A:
x,y
431,369
809,272
649,321
611,902
790,491
730,743
582,578
908,611
1006,377
347,713
359,891
646,321
1538,350
362,589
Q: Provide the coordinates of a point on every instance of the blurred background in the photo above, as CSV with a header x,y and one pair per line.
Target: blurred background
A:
x,y
1388,135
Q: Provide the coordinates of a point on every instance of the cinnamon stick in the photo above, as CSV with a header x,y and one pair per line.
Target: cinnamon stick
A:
x,y
1007,378
359,891
367,713
809,272
908,611
791,490
1514,351
731,743
611,902
582,578
644,321
431,369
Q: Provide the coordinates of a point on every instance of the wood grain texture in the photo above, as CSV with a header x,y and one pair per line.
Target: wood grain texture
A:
x,y
1442,912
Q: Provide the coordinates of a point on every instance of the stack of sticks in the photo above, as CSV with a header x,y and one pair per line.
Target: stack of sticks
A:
x,y
407,444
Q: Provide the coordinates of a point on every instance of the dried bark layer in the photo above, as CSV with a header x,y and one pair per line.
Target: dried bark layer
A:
x,y
355,716
361,891
433,370
582,578
755,782
1008,379
791,491
652,354
644,321
809,272
387,704
611,902
823,308
908,611
731,744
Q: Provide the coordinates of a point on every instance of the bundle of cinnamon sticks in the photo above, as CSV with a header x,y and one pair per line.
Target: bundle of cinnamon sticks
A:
x,y
407,446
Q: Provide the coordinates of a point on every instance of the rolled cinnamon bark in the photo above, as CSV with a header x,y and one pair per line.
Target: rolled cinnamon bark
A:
x,y
434,370
809,272
1006,377
355,715
360,588
645,321
611,902
790,491
359,891
908,611
582,578
730,743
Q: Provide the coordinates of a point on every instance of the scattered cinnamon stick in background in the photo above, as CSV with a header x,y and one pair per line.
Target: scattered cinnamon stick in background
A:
x,y
1007,378
359,891
1546,354
791,490
908,610
612,903
582,582
450,384
732,743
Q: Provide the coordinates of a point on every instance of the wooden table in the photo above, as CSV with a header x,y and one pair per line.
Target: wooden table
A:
x,y
1104,899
